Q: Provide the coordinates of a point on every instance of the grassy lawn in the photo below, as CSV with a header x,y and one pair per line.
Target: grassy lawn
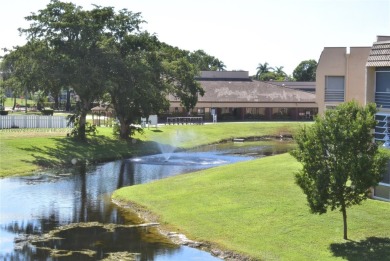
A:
x,y
186,136
9,102
24,151
255,208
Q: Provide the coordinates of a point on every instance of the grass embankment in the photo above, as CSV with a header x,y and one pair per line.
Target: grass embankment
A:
x,y
24,151
255,208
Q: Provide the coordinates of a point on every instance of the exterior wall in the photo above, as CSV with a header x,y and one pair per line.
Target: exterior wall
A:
x,y
248,112
335,61
370,84
359,70
382,38
332,62
233,95
355,87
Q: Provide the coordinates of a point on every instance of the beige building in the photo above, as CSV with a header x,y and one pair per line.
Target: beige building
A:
x,y
233,96
340,76
361,74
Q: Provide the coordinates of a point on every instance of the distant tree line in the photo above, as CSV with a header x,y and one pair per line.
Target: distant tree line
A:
x,y
305,72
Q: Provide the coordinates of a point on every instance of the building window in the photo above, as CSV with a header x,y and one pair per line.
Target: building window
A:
x,y
382,191
330,107
334,89
382,87
386,175
382,128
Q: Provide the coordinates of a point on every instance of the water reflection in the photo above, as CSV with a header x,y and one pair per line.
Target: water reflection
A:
x,y
38,204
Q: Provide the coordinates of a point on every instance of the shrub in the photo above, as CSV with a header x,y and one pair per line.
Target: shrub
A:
x,y
47,112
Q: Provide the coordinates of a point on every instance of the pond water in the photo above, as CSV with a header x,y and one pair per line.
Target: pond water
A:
x,y
68,214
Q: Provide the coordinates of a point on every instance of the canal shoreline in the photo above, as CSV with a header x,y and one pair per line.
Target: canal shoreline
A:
x,y
80,161
178,238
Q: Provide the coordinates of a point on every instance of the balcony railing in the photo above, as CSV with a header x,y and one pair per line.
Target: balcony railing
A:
x,y
382,99
334,96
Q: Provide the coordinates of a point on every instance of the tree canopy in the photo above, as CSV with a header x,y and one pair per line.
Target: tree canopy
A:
x,y
340,160
263,69
266,73
23,68
205,62
305,71
78,37
143,73
102,51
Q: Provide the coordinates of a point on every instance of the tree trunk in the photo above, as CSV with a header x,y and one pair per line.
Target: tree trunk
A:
x,y
82,123
344,211
25,99
67,101
124,131
56,103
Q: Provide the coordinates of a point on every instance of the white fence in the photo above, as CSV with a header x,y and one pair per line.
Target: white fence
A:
x,y
33,121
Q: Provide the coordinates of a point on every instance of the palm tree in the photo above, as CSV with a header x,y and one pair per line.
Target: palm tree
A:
x,y
263,68
279,71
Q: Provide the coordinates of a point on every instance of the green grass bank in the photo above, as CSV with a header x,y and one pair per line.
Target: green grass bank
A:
x,y
255,209
25,151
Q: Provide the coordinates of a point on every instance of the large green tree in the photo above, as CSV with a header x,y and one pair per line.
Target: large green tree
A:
x,y
102,51
179,74
22,66
33,67
205,62
78,37
305,71
340,160
146,73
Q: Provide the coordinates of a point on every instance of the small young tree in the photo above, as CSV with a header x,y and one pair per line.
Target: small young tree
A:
x,y
341,162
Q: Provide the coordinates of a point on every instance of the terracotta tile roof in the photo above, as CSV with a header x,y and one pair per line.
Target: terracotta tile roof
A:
x,y
251,92
379,55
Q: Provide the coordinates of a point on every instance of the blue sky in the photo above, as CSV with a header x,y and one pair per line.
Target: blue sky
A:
x,y
240,33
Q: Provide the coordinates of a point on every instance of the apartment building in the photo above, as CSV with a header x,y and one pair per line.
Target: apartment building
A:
x,y
361,74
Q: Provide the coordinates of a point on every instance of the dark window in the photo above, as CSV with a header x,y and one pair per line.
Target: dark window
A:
x,y
382,87
334,88
386,175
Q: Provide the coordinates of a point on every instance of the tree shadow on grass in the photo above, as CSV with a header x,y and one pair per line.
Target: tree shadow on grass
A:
x,y
372,248
96,149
